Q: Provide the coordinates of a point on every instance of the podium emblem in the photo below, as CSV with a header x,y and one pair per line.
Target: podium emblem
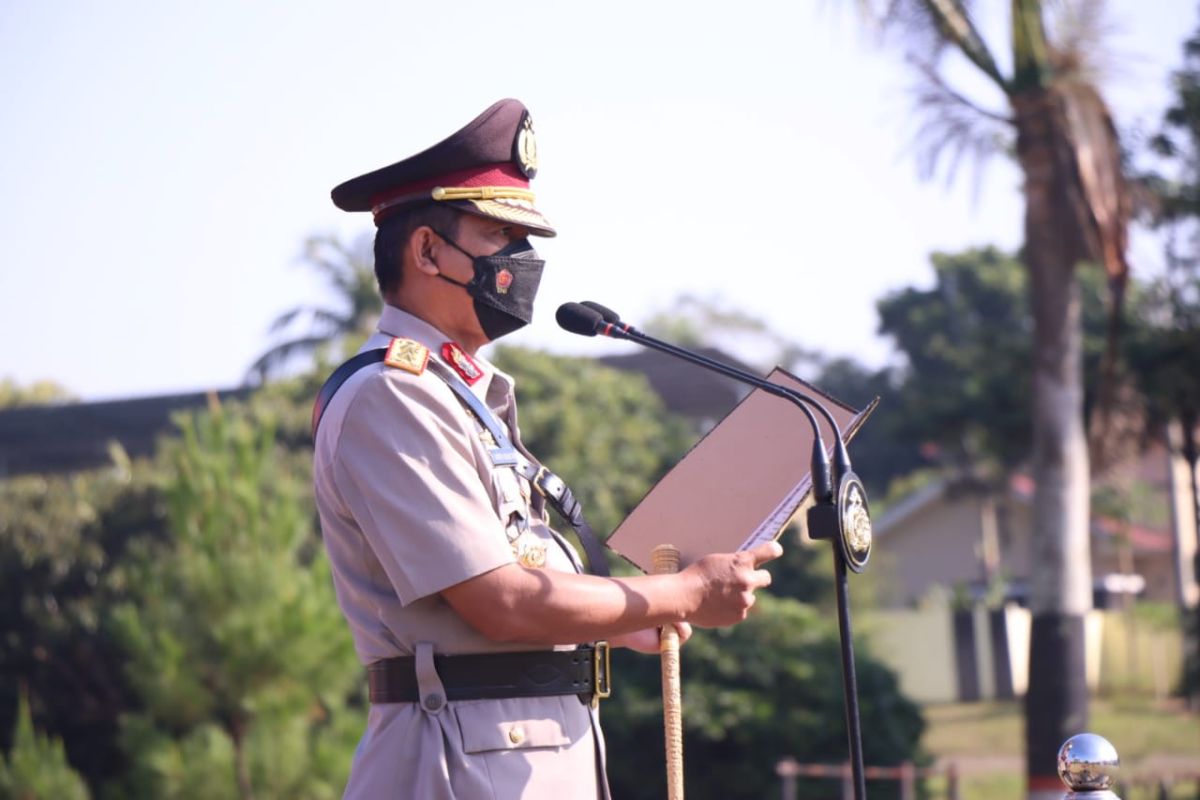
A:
x,y
854,522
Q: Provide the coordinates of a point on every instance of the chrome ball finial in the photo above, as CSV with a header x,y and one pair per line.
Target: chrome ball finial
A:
x,y
1087,763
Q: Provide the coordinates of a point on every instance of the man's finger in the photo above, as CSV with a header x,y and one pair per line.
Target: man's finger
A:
x,y
760,579
765,552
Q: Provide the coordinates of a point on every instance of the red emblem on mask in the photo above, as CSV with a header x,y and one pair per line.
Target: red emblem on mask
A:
x,y
463,364
504,279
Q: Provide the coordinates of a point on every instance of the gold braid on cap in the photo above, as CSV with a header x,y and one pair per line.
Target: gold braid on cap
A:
x,y
456,193
481,193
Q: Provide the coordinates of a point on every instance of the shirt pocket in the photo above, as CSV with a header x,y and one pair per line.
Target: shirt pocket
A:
x,y
516,725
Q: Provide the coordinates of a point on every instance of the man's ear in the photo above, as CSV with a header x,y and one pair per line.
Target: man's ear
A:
x,y
422,244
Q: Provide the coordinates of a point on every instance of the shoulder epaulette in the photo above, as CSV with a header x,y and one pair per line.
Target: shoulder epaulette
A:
x,y
407,355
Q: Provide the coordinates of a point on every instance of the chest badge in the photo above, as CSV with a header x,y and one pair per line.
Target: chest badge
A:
x,y
462,363
407,355
530,550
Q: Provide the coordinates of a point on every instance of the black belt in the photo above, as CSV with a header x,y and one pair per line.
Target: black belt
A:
x,y
492,676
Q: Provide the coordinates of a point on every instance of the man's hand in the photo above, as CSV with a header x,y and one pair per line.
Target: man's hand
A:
x,y
543,606
646,640
725,584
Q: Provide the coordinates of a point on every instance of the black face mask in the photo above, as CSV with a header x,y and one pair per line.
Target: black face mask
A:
x,y
504,286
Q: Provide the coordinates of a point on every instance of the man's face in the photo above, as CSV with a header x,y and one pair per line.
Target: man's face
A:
x,y
478,236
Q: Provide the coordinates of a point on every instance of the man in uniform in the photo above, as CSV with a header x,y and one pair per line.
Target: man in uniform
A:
x,y
482,635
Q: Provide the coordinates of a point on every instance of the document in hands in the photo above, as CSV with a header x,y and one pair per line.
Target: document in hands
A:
x,y
742,481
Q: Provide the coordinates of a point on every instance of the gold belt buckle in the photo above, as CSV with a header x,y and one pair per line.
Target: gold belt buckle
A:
x,y
536,480
601,672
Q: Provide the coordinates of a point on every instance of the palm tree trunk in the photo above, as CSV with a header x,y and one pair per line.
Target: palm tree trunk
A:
x,y
1056,703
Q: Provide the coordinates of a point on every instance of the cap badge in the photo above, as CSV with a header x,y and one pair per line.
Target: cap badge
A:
x,y
525,147
462,363
504,279
407,355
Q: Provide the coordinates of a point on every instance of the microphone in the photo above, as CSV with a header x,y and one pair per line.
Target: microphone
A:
x,y
836,490
592,319
841,454
604,311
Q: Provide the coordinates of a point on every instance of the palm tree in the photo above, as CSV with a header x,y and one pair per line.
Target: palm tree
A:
x,y
1076,212
349,271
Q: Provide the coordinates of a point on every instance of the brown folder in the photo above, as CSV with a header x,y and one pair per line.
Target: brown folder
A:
x,y
742,481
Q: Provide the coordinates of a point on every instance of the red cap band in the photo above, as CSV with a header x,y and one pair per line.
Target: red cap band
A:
x,y
505,174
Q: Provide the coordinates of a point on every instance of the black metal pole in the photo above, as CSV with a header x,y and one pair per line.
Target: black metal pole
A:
x,y
849,679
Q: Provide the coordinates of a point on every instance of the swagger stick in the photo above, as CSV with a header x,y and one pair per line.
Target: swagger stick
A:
x,y
666,561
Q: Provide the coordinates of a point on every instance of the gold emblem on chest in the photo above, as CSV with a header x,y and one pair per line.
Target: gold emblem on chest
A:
x,y
530,550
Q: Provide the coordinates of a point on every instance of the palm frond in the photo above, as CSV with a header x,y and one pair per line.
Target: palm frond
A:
x,y
349,272
1031,55
956,24
341,264
272,362
1077,49
287,318
330,323
953,128
1101,174
928,28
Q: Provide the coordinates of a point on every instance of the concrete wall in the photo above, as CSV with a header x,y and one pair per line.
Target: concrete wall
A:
x,y
984,655
939,545
919,646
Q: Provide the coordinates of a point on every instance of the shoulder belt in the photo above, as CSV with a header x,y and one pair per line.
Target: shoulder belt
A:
x,y
553,488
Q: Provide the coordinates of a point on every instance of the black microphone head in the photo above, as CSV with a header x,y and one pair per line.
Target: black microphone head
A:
x,y
606,313
578,318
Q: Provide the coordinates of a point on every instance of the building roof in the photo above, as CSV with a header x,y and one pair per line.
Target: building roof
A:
x,y
76,436
1144,538
685,388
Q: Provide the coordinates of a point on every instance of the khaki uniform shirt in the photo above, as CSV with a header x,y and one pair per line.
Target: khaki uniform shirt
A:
x,y
410,504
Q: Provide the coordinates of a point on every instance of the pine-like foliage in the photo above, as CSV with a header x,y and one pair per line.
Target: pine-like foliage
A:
x,y
37,767
236,645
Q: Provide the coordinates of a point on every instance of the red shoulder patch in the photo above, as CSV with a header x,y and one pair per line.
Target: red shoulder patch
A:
x,y
463,364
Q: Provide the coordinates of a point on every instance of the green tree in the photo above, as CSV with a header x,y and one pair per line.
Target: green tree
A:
x,y
236,647
13,394
62,539
767,688
965,343
880,450
37,767
1076,212
1165,346
348,270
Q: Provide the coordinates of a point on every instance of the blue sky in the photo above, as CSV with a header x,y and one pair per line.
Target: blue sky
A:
x,y
163,163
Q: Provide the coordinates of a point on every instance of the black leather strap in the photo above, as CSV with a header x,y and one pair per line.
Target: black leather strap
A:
x,y
340,376
552,487
491,676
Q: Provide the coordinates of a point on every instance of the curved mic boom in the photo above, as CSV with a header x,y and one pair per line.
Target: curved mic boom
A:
x,y
841,512
591,319
841,456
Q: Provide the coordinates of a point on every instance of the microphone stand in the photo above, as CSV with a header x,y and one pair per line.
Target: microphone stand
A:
x,y
831,489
